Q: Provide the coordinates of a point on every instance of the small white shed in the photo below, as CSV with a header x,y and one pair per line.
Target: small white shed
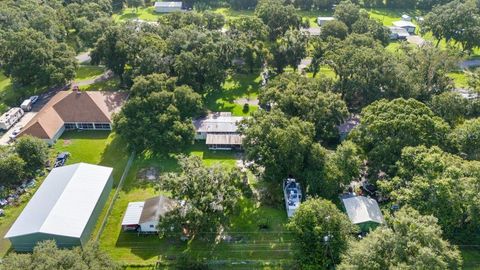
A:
x,y
167,7
323,20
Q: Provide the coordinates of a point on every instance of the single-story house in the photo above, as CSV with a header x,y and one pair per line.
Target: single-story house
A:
x,y
363,211
8,119
65,207
398,33
323,20
219,130
144,216
167,7
67,110
409,26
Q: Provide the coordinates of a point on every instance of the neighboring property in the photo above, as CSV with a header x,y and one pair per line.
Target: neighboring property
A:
x,y
406,18
166,7
69,110
409,26
416,40
219,130
65,208
293,196
323,20
398,33
144,216
8,119
346,127
363,211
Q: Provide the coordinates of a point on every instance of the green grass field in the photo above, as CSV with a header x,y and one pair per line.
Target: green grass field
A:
x,y
238,87
146,14
12,96
87,72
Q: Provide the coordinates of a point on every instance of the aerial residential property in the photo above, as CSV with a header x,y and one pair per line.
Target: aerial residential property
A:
x,y
143,217
239,134
219,130
70,110
65,208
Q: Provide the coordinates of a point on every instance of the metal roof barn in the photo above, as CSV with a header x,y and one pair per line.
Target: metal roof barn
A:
x,y
65,208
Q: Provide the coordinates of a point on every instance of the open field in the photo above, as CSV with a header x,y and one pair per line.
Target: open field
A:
x,y
268,246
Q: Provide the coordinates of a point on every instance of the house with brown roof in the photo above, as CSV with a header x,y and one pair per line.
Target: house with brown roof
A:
x,y
69,110
144,216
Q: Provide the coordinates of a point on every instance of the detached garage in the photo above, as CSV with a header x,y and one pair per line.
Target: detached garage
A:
x,y
65,208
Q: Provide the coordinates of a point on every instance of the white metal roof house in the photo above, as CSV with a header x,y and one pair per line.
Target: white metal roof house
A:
x,y
398,33
166,7
65,208
409,26
219,130
363,211
323,20
144,216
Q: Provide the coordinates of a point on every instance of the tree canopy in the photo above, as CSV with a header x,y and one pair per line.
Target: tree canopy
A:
x,y
466,138
209,195
412,241
278,17
321,232
386,127
158,116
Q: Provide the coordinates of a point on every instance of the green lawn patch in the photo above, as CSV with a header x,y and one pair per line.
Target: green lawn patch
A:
x,y
146,14
112,84
471,258
270,246
460,78
235,92
87,72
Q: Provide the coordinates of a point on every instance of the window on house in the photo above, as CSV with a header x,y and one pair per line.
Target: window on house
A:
x,y
151,226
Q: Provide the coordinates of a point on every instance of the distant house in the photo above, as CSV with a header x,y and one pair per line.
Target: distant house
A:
x,y
8,119
398,33
69,110
409,26
167,7
65,207
144,216
323,20
219,130
363,211
346,127
406,18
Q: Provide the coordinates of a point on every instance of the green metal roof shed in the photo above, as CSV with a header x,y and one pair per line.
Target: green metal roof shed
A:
x,y
363,211
65,208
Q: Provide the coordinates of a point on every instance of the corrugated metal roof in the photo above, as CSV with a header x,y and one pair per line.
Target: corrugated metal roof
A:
x,y
227,139
362,209
168,4
133,213
217,124
156,207
64,202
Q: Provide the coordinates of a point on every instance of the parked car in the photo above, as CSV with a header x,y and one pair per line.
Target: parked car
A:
x,y
14,134
34,99
3,202
61,159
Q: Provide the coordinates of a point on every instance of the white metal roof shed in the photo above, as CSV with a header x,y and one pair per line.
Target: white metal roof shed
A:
x,y
133,213
64,202
362,209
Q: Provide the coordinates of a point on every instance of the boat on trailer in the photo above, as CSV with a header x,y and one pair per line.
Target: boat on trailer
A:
x,y
293,195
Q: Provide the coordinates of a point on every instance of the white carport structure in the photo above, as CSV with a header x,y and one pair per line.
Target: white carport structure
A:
x,y
131,220
65,208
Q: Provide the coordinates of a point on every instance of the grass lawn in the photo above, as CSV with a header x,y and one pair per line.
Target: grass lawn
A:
x,y
460,79
240,87
471,258
88,72
263,247
11,96
146,14
112,84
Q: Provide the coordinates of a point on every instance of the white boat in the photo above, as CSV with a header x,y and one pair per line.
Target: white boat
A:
x,y
293,195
